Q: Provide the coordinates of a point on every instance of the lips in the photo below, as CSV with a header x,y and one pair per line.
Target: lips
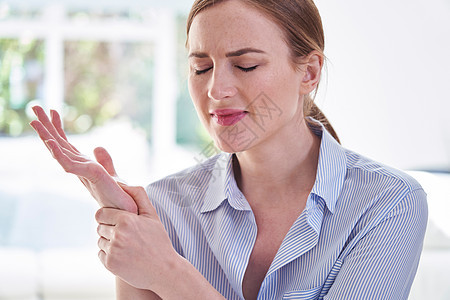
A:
x,y
228,117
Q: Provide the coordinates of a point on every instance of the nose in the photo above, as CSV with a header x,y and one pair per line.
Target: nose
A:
x,y
221,85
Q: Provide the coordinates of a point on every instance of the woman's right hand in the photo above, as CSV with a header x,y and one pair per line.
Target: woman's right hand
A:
x,y
99,177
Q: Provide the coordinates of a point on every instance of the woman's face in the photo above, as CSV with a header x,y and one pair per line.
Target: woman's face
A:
x,y
242,81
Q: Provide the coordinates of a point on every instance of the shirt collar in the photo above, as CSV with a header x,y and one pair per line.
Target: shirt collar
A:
x,y
331,171
223,186
331,168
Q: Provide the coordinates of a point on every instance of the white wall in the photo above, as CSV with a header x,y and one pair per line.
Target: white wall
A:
x,y
386,91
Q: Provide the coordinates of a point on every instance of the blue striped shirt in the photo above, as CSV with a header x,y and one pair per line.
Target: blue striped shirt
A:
x,y
359,237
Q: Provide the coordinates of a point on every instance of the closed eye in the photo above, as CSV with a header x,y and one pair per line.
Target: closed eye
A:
x,y
247,69
199,72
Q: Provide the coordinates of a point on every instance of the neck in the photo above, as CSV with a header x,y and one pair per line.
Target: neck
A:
x,y
287,165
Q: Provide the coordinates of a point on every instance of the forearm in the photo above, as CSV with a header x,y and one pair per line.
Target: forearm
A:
x,y
124,291
188,283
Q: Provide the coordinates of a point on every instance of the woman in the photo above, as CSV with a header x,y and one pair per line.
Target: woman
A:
x,y
285,212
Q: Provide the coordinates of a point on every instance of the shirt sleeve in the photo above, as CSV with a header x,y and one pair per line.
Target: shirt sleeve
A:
x,y
383,264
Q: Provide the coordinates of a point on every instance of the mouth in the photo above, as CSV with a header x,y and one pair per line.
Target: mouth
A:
x,y
228,117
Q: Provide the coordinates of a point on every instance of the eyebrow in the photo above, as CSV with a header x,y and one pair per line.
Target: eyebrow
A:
x,y
229,54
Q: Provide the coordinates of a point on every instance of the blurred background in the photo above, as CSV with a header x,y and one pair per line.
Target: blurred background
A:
x,y
117,70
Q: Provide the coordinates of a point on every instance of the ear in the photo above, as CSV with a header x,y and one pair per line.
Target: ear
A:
x,y
312,68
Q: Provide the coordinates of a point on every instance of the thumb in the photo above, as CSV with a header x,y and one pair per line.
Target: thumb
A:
x,y
102,156
140,197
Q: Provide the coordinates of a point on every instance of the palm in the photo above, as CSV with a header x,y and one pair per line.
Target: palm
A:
x,y
99,177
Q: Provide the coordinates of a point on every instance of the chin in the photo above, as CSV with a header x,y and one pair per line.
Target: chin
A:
x,y
225,147
236,138
232,146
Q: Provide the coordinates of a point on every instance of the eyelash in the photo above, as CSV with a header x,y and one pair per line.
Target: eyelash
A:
x,y
200,72
247,69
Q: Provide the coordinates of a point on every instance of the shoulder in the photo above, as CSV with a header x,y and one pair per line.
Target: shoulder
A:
x,y
372,190
355,183
365,171
377,200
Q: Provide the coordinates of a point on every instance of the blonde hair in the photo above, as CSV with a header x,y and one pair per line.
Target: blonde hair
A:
x,y
302,25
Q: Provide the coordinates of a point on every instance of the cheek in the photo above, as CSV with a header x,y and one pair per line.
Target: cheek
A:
x,y
283,90
199,98
194,91
281,87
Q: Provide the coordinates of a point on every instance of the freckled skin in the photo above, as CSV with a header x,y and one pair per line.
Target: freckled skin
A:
x,y
229,27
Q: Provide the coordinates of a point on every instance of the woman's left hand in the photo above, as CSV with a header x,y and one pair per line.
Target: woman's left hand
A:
x,y
136,248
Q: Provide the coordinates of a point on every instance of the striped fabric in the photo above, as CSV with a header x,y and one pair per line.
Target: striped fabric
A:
x,y
359,237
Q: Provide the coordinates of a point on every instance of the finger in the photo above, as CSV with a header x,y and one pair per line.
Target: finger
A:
x,y
104,245
105,231
57,123
72,163
82,160
50,128
141,198
102,257
49,143
102,156
63,156
75,156
86,170
45,135
109,216
41,131
45,121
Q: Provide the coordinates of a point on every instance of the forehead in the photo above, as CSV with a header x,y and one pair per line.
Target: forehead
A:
x,y
231,25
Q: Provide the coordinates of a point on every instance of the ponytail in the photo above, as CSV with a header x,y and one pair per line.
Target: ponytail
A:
x,y
312,110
